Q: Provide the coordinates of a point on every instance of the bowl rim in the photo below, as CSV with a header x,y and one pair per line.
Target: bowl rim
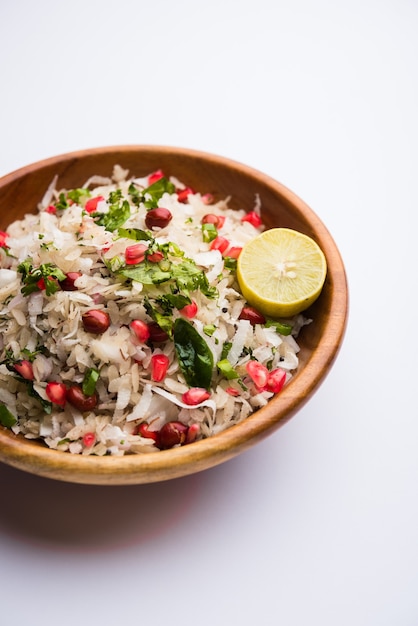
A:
x,y
148,467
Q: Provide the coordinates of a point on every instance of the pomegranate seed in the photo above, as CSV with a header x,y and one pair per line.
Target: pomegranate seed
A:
x,y
172,434
3,238
276,379
232,391
158,218
135,254
192,433
258,373
234,252
253,218
51,209
140,330
252,315
89,439
207,198
217,220
91,204
159,367
195,395
57,393
152,178
96,321
220,243
79,400
155,257
157,334
143,430
190,310
68,284
183,194
24,369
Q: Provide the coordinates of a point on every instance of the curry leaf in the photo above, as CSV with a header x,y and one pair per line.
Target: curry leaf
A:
x,y
193,353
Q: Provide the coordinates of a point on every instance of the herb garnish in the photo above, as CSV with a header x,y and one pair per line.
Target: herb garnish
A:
x,y
149,197
46,276
181,276
194,355
119,212
10,361
135,233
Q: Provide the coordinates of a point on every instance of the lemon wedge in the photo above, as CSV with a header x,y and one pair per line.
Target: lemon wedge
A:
x,y
281,272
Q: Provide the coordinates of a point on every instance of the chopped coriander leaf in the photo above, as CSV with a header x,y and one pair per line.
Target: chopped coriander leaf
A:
x,y
225,349
62,203
146,273
172,249
170,301
135,233
114,264
189,277
164,320
185,276
47,406
30,355
47,245
149,197
119,212
76,195
45,276
136,194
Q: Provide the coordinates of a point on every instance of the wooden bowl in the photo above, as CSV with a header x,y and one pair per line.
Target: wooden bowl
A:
x,y
320,341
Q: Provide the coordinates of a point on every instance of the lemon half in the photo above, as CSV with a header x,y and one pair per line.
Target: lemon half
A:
x,y
281,272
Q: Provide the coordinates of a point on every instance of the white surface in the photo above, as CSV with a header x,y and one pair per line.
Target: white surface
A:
x,y
317,525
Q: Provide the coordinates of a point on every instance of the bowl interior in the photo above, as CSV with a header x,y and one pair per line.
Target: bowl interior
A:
x,y
21,191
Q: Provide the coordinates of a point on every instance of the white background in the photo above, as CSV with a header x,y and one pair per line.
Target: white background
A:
x,y
318,524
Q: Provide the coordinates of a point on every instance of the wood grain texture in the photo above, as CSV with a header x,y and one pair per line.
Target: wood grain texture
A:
x,y
20,193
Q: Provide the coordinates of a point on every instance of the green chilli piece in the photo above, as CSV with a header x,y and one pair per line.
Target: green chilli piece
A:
x,y
89,382
7,418
226,369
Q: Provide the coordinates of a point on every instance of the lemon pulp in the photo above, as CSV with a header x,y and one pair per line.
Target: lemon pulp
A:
x,y
281,272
